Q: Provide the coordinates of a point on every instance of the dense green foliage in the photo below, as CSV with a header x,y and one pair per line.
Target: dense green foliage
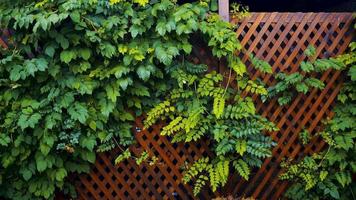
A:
x,y
78,72
329,174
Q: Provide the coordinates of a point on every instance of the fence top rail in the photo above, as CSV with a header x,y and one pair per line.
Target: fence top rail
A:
x,y
308,17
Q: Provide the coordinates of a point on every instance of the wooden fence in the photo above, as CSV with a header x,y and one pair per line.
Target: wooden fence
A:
x,y
278,38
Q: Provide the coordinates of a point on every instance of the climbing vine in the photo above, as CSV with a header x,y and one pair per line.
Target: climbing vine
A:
x,y
289,84
200,107
329,174
77,73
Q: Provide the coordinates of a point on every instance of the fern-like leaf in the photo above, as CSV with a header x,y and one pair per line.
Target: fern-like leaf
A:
x,y
242,168
218,106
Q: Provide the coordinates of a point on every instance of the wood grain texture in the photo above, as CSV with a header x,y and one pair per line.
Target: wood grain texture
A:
x,y
278,38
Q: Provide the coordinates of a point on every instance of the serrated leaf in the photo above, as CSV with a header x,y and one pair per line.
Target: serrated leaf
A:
x,y
106,106
310,51
161,27
4,140
67,56
66,100
307,66
143,73
88,142
78,112
89,156
112,92
302,87
28,120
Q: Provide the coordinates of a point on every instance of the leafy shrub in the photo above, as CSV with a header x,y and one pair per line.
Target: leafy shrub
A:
x,y
78,72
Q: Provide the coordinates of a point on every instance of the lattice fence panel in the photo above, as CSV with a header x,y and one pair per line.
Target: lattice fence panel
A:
x,y
280,39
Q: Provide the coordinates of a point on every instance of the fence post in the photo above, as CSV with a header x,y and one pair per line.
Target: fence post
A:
x,y
224,9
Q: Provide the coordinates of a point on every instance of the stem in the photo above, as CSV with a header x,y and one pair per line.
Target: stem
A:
x,y
352,193
228,81
91,23
117,144
324,156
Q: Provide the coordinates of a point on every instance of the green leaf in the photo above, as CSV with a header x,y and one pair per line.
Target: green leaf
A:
x,y
67,55
323,175
161,27
143,73
187,48
344,178
62,41
28,120
238,66
144,156
302,87
125,155
26,174
78,112
75,16
112,92
61,173
106,106
92,125
41,64
352,72
218,106
261,65
242,168
85,53
344,141
162,55
313,82
89,156
310,51
307,66
4,139
88,142
66,100
241,146
15,73
50,51
41,164
107,49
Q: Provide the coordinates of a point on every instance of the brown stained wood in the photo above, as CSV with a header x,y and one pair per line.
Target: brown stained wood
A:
x,y
278,38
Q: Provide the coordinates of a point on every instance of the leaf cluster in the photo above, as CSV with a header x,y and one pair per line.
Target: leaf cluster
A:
x,y
202,108
302,82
